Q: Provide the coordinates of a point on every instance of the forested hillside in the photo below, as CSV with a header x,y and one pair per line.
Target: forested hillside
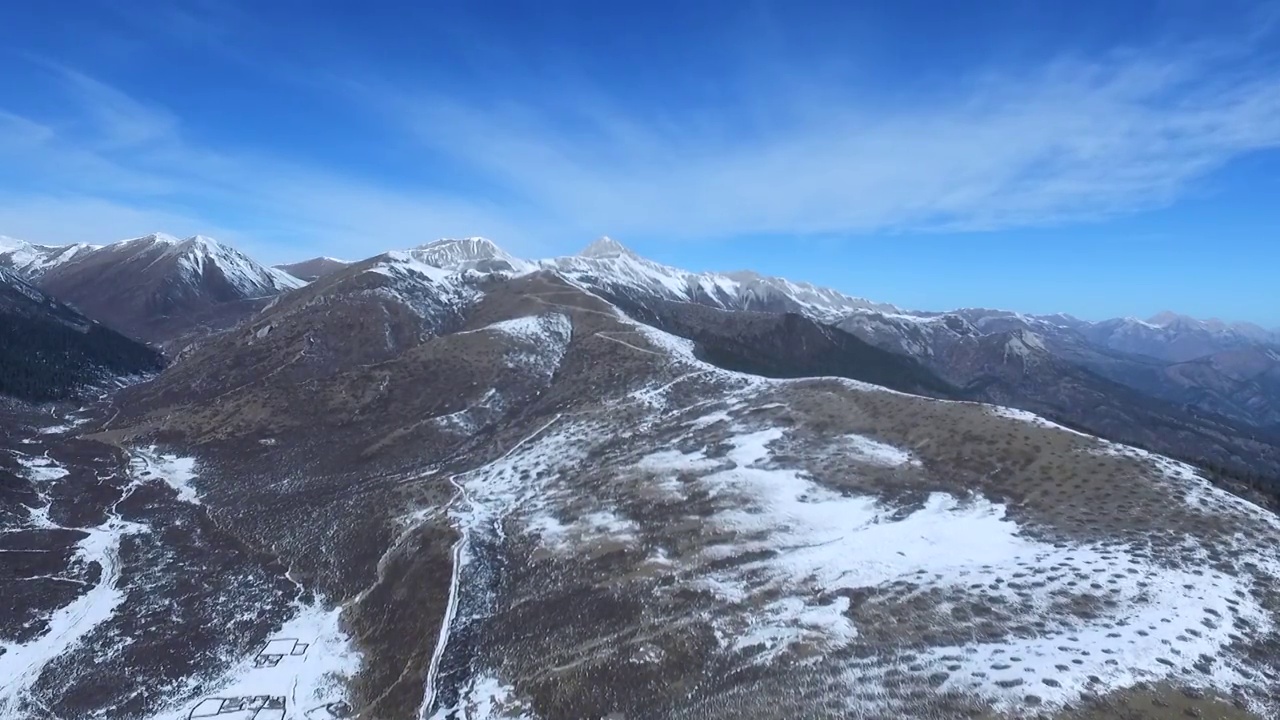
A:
x,y
48,351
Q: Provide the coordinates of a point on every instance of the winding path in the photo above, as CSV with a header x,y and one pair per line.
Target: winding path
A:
x,y
459,546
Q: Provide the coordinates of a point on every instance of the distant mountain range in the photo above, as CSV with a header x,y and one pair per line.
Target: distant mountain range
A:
x,y
445,481
160,289
154,288
199,267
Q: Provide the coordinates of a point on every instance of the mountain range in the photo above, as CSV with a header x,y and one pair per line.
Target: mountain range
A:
x,y
448,482
155,287
1205,391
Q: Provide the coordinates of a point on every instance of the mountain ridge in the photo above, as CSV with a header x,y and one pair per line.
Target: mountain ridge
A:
x,y
314,268
456,253
31,261
1235,380
158,287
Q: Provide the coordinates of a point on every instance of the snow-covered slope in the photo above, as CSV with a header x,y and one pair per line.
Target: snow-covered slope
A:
x,y
32,261
431,292
608,266
198,257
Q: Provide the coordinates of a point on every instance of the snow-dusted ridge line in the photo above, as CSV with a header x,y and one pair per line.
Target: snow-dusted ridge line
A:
x,y
246,275
608,265
608,261
400,260
31,261
193,257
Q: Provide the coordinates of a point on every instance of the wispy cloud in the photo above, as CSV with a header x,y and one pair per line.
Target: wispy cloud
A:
x,y
1071,140
113,167
110,119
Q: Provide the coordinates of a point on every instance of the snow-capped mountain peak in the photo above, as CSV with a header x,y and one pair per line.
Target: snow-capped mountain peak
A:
x,y
201,242
607,247
31,261
1169,320
8,244
609,266
1166,318
149,287
472,253
198,254
155,238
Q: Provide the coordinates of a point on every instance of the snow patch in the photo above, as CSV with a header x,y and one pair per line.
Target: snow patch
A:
x,y
176,472
800,542
784,623
40,468
485,698
874,452
71,424
545,339
471,418
1034,419
1201,494
307,663
21,664
596,527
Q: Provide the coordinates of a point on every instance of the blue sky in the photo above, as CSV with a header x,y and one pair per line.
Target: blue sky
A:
x,y
1098,158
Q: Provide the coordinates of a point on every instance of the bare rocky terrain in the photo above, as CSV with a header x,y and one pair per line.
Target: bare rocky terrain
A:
x,y
313,269
405,491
